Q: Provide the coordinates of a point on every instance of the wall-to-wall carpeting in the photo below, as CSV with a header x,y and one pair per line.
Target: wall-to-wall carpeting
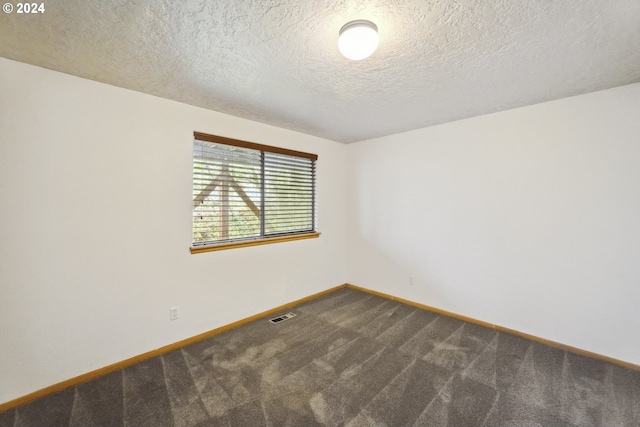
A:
x,y
355,359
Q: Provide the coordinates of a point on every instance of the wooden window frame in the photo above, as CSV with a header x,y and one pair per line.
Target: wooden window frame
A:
x,y
259,240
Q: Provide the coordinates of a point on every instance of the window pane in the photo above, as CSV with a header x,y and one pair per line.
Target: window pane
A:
x,y
243,190
288,194
226,192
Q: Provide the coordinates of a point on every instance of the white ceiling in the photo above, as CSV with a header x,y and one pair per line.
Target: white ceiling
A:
x,y
277,61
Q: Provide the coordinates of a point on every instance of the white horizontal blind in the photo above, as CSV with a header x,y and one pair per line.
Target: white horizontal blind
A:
x,y
242,191
289,195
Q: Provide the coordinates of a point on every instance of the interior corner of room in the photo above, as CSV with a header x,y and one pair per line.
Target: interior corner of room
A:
x,y
525,218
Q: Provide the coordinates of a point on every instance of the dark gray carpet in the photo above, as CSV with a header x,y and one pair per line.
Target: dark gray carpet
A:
x,y
352,359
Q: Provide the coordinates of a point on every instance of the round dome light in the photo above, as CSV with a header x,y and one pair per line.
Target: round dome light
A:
x,y
358,39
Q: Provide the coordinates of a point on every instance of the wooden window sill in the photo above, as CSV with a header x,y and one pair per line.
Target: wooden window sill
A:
x,y
255,242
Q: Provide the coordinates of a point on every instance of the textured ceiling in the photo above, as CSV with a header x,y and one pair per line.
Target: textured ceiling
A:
x,y
277,61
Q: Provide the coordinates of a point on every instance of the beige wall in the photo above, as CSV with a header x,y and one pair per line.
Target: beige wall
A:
x,y
95,229
529,219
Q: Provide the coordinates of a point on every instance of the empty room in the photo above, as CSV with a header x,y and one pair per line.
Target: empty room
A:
x,y
299,213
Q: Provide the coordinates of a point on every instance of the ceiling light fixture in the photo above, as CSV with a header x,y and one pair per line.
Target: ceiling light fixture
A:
x,y
358,39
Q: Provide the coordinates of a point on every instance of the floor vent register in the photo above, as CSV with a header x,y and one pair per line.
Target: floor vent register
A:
x,y
282,318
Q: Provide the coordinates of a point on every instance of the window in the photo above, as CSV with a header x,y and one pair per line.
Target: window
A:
x,y
246,194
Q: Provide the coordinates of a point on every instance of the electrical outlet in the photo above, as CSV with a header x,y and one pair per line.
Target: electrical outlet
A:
x,y
411,282
173,313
